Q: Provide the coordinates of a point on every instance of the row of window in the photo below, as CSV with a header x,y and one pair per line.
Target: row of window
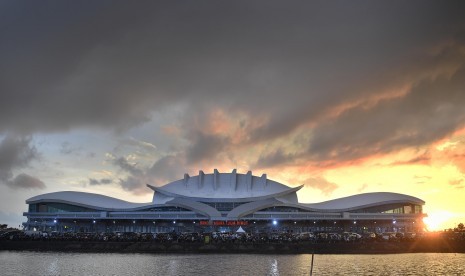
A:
x,y
222,207
63,208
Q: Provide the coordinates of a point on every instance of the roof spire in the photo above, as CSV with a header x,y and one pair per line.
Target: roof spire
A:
x,y
216,175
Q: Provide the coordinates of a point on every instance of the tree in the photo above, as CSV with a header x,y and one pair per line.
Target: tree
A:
x,y
460,227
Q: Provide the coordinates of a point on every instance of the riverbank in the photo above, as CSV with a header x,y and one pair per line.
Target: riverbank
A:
x,y
418,246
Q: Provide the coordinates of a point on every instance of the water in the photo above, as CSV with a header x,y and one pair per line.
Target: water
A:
x,y
53,263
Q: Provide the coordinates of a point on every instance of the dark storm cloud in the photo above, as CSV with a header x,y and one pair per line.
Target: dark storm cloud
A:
x,y
111,64
103,181
205,146
432,110
16,152
125,165
25,181
99,63
164,170
136,179
275,158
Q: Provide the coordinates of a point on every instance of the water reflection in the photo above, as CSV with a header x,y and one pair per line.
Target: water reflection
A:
x,y
49,263
173,267
274,268
53,267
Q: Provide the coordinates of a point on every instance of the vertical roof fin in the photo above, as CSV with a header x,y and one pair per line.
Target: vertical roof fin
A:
x,y
263,180
233,180
201,177
186,179
248,180
216,175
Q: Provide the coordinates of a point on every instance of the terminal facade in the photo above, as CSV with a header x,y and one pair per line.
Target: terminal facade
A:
x,y
224,202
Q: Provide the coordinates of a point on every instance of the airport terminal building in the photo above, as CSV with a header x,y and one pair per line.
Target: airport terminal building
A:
x,y
224,202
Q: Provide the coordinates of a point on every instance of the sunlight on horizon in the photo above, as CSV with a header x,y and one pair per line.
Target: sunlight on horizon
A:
x,y
438,220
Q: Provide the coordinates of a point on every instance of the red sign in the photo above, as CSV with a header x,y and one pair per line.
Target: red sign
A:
x,y
224,222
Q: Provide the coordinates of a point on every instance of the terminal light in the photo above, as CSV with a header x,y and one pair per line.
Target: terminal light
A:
x,y
54,221
275,222
93,221
174,222
355,222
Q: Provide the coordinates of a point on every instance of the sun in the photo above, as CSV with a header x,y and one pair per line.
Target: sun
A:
x,y
436,221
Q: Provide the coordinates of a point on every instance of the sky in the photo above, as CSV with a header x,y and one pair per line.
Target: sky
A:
x,y
344,97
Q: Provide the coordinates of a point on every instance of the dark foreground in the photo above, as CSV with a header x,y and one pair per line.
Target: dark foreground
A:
x,y
434,245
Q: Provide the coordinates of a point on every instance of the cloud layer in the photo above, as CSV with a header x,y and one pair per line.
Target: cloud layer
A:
x,y
16,153
249,85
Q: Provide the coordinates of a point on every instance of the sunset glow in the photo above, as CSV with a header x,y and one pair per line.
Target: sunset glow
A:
x,y
343,99
438,220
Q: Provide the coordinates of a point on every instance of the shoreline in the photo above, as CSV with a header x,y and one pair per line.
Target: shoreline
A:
x,y
418,246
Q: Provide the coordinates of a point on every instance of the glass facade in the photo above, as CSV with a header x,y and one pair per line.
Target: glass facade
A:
x,y
392,209
284,209
57,208
165,209
289,217
224,206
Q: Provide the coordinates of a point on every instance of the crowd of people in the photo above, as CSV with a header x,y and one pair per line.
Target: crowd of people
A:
x,y
213,237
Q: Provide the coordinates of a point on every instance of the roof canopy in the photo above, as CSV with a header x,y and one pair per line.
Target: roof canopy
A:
x,y
224,186
252,192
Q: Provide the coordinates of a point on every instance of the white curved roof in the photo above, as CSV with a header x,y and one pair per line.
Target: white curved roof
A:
x,y
257,193
224,186
363,201
345,204
89,200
